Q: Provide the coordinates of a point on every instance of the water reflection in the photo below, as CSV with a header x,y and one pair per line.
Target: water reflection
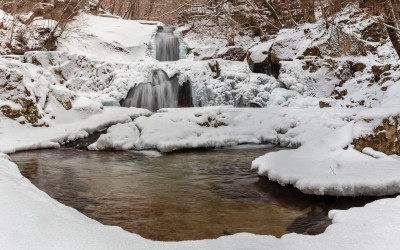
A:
x,y
184,195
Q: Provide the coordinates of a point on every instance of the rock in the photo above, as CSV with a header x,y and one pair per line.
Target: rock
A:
x,y
185,95
341,44
374,33
311,65
232,53
271,69
313,51
212,122
214,66
385,138
379,70
324,105
205,53
18,101
28,110
358,67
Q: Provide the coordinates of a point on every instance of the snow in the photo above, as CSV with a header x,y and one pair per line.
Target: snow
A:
x,y
330,166
108,38
259,52
48,224
100,61
118,137
109,82
72,125
174,129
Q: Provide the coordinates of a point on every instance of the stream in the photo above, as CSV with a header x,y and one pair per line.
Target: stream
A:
x,y
184,195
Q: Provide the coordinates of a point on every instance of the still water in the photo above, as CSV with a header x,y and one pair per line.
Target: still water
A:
x,y
186,195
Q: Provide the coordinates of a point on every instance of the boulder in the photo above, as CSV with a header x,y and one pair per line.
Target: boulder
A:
x,y
232,53
379,70
374,33
385,138
357,67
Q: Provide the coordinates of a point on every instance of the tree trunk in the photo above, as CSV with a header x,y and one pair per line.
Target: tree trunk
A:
x,y
390,21
273,13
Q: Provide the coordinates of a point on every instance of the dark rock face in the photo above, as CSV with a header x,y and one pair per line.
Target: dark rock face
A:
x,y
83,143
271,69
185,95
233,53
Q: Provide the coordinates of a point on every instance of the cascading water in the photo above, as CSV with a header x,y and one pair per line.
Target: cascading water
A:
x,y
162,92
167,44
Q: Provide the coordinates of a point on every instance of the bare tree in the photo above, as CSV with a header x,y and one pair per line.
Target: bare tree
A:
x,y
391,23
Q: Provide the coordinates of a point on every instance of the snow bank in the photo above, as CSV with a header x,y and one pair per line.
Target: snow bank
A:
x,y
108,38
330,166
70,125
174,129
33,220
118,137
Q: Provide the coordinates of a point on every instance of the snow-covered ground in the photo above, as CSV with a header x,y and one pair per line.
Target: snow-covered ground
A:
x,y
68,89
108,38
70,126
32,220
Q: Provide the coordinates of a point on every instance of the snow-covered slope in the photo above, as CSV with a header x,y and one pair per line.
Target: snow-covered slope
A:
x,y
108,38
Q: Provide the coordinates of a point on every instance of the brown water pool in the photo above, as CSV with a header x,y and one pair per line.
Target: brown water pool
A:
x,y
186,195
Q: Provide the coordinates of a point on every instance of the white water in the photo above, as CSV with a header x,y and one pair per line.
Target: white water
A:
x,y
167,45
161,93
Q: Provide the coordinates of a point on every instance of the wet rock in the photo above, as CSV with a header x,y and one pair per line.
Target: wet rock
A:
x,y
272,69
185,95
83,143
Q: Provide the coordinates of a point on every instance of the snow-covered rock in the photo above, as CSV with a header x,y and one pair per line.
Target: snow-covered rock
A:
x,y
118,137
329,166
213,82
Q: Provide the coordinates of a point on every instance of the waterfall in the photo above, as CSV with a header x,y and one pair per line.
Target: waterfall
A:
x,y
167,44
162,92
